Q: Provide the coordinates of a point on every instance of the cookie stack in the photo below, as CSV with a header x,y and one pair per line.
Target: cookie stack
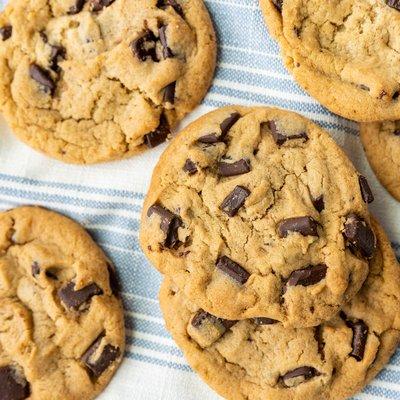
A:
x,y
346,54
278,284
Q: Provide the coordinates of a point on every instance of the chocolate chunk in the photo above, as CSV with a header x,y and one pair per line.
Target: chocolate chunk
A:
x,y
208,139
394,4
396,132
280,138
77,7
35,269
235,200
57,54
13,386
264,321
170,223
360,237
278,4
5,32
172,3
98,5
190,167
112,277
167,53
227,124
307,276
237,168
76,298
233,269
169,93
99,364
319,203
42,77
158,136
360,335
366,192
306,226
305,373
144,47
201,316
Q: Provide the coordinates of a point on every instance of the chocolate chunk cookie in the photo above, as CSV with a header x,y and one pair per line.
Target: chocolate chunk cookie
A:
x,y
381,143
61,321
95,80
256,212
344,53
261,359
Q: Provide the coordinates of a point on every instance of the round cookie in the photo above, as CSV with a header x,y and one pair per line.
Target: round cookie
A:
x,y
381,141
259,359
257,212
61,321
344,53
97,80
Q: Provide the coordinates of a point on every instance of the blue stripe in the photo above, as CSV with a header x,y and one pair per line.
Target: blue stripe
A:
x,y
157,361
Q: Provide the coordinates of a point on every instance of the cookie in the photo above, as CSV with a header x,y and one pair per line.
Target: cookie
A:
x,y
96,80
344,53
61,321
381,141
261,359
256,212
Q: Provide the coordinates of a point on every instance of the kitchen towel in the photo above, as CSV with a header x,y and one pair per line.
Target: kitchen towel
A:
x,y
107,200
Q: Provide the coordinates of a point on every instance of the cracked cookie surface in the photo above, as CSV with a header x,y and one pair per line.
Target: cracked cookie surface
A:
x,y
381,141
344,53
256,212
61,320
260,359
91,81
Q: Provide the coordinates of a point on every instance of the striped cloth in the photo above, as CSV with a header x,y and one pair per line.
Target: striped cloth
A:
x,y
107,200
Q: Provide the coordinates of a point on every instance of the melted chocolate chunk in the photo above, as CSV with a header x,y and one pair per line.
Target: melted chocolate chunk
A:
x,y
306,226
167,53
280,137
170,223
360,237
303,372
99,364
394,4
208,139
227,124
190,167
57,54
264,321
201,316
13,386
307,276
144,47
158,136
41,76
77,7
235,200
360,335
98,5
232,169
169,93
366,191
5,32
76,298
319,203
233,269
35,269
172,3
396,132
278,4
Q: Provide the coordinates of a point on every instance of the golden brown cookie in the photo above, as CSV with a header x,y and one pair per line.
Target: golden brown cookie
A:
x,y
259,359
97,80
256,212
344,53
381,141
61,321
